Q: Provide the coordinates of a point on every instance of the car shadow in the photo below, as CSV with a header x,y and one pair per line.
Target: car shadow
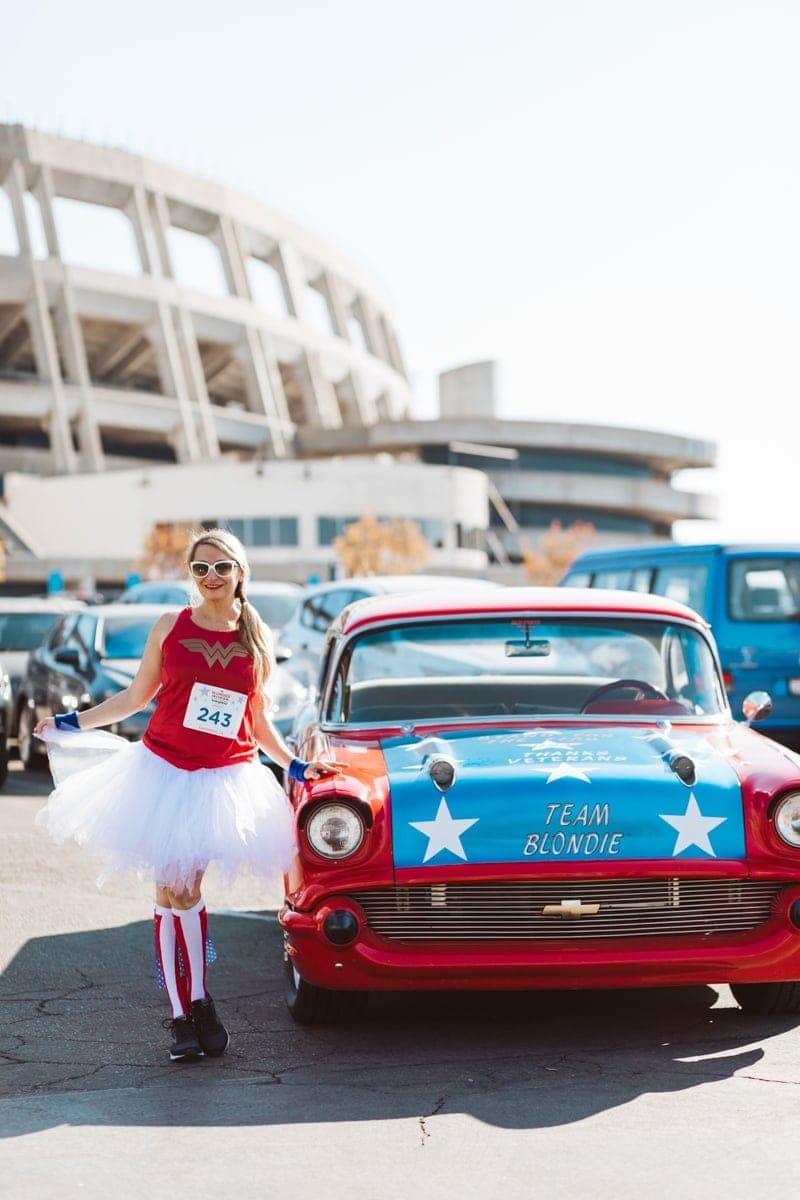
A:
x,y
82,1044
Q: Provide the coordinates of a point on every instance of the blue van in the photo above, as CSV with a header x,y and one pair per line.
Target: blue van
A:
x,y
750,595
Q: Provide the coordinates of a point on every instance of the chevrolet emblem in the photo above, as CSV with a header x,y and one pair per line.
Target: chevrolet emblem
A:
x,y
570,908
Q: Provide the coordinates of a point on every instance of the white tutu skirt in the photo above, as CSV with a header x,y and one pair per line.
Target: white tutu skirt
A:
x,y
132,810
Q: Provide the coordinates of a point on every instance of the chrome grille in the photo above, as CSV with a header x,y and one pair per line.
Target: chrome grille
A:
x,y
609,908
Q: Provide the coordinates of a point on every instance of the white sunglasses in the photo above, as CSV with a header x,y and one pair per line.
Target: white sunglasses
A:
x,y
224,568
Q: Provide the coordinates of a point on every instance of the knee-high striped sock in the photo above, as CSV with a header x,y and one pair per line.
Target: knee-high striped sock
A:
x,y
191,928
165,953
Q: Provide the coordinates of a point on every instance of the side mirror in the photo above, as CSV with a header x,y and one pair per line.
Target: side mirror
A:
x,y
282,654
756,706
68,657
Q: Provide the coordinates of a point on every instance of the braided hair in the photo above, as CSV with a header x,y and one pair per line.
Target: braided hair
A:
x,y
253,634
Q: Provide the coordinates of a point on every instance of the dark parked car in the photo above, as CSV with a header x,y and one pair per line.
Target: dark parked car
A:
x,y
87,657
6,710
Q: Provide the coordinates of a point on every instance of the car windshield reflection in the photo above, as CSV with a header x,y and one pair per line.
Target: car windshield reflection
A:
x,y
125,637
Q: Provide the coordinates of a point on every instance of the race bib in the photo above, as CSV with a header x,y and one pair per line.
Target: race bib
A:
x,y
215,710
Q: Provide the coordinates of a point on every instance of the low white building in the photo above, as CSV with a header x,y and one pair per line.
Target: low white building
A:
x,y
286,513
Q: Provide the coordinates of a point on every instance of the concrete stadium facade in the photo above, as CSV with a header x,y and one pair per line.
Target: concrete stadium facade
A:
x,y
101,367
617,479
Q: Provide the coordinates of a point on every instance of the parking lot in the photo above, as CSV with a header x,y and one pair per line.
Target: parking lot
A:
x,y
554,1094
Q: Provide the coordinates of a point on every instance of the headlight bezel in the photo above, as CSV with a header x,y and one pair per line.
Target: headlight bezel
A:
x,y
332,810
784,803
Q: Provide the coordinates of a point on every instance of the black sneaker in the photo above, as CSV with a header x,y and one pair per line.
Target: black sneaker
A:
x,y
212,1034
185,1044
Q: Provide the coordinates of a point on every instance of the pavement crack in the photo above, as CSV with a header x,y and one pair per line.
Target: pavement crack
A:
x,y
424,1133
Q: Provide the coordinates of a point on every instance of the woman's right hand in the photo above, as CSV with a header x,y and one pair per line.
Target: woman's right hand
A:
x,y
46,723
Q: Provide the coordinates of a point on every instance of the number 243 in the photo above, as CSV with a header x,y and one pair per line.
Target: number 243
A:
x,y
215,717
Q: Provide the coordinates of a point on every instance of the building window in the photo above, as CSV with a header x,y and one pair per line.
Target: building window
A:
x,y
264,531
329,528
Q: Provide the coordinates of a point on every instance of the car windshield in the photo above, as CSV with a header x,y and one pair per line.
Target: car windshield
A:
x,y
537,666
125,637
25,631
273,610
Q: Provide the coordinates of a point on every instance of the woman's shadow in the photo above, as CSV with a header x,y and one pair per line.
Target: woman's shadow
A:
x,y
82,1044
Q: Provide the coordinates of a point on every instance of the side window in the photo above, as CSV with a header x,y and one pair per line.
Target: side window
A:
x,y
577,579
84,634
684,582
321,610
641,579
61,631
613,577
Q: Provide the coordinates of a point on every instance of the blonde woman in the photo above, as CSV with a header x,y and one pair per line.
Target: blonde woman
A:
x,y
193,790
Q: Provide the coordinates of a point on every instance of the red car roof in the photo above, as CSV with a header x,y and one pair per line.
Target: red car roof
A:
x,y
516,600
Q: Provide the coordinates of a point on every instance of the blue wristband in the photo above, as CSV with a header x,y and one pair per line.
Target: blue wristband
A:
x,y
66,720
297,769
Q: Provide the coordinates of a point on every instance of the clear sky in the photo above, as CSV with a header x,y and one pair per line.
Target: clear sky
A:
x,y
602,195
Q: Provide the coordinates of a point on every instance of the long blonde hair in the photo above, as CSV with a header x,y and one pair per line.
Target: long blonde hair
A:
x,y
252,632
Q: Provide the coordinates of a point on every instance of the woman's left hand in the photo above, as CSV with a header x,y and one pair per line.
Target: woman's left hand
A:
x,y
320,768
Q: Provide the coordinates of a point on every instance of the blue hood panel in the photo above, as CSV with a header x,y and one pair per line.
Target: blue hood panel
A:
x,y
560,795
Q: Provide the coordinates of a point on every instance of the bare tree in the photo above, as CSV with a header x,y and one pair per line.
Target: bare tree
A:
x,y
558,548
165,549
372,547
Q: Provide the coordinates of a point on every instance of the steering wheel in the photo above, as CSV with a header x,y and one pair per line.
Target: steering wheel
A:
x,y
644,691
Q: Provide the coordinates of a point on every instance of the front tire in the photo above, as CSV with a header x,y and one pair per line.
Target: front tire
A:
x,y
312,1005
767,999
26,742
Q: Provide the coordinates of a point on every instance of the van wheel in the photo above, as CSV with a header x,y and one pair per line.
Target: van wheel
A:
x,y
311,1005
767,999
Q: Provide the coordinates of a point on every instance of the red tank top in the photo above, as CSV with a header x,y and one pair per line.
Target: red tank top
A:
x,y
206,677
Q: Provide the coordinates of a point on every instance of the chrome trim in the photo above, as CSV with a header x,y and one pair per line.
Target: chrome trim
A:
x,y
581,910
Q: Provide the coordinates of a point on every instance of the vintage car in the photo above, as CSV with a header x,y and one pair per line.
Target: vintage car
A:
x,y
538,788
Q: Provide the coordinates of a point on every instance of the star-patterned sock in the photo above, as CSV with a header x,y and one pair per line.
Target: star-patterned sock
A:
x,y
164,928
191,928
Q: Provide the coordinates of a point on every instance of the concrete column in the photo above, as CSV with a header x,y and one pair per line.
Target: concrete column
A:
x,y
329,286
45,350
209,442
159,212
265,388
369,319
287,264
173,383
230,250
92,456
320,396
139,215
44,193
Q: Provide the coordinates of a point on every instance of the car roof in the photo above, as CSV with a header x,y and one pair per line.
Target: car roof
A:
x,y
384,584
32,604
683,549
276,586
511,600
130,612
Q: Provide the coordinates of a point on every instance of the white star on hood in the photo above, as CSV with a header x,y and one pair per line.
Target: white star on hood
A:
x,y
566,771
693,828
444,833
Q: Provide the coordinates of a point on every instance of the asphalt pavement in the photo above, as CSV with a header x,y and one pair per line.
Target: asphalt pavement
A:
x,y
660,1093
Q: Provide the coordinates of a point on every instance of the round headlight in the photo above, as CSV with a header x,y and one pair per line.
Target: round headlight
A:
x,y
335,830
787,819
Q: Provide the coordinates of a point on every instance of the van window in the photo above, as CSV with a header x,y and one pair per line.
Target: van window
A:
x,y
577,579
614,577
640,579
764,589
684,582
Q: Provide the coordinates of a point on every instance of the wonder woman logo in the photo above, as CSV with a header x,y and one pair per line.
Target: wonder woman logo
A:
x,y
216,653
